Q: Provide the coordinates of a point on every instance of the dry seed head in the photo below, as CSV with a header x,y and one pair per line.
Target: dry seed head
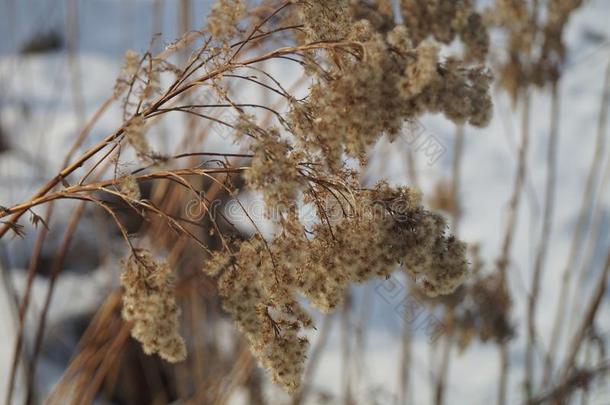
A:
x,y
535,43
390,74
134,133
273,169
420,73
224,17
328,20
348,110
129,188
386,228
445,20
149,302
130,67
263,306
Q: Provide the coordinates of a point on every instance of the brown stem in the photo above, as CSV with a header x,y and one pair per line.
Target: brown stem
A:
x,y
439,393
581,224
560,393
63,174
588,318
503,261
549,200
458,153
405,363
55,270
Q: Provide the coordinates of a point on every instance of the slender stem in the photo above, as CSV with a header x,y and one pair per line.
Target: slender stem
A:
x,y
503,261
588,318
98,186
441,382
543,243
55,270
560,393
406,361
583,219
458,153
79,162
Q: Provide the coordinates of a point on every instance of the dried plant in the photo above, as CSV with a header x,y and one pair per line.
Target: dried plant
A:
x,y
369,76
355,72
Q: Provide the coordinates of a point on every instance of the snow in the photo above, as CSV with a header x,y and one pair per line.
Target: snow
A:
x,y
36,105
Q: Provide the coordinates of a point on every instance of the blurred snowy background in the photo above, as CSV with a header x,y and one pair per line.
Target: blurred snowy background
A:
x,y
58,63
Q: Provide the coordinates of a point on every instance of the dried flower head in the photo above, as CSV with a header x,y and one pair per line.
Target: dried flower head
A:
x,y
274,169
325,20
257,293
480,308
378,231
224,17
369,74
134,133
366,96
535,48
149,302
445,20
131,65
129,188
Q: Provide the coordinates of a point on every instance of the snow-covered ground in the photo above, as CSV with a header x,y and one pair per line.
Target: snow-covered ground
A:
x,y
37,110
